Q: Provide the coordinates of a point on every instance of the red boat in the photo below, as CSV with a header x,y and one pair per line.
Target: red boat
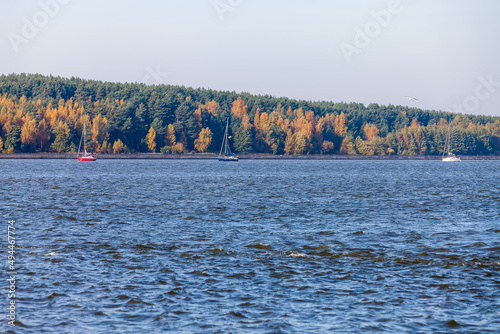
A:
x,y
85,156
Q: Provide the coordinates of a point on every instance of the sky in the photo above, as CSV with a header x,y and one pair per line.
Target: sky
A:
x,y
444,53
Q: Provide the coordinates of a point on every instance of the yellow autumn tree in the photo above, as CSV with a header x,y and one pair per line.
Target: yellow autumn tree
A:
x,y
103,148
415,123
197,115
340,128
306,128
318,132
170,139
42,134
239,108
289,143
299,113
442,122
300,143
211,107
99,130
150,139
370,131
362,147
28,131
178,148
347,147
203,141
256,120
118,146
246,122
327,146
265,122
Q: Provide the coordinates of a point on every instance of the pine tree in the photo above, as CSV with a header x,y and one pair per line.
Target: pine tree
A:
x,y
13,138
242,140
61,132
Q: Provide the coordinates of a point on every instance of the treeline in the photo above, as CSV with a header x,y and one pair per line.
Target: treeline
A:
x,y
47,114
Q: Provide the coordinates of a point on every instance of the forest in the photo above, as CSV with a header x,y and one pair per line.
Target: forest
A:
x,y
47,114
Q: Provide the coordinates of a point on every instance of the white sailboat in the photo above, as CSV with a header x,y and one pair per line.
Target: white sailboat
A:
x,y
450,157
228,156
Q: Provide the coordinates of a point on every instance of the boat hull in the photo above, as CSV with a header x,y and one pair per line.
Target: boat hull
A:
x,y
86,159
451,160
228,159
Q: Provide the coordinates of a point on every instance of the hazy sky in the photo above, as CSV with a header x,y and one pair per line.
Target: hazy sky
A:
x,y
446,53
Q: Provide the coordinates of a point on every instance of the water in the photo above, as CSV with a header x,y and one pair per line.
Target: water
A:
x,y
254,246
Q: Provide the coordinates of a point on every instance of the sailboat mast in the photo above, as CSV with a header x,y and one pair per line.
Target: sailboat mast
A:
x,y
226,137
80,145
446,140
449,137
84,139
224,141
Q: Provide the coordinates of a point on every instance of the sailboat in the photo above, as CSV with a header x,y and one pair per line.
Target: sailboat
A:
x,y
228,156
85,156
450,157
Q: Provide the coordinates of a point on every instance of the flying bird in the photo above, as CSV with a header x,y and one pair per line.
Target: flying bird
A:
x,y
411,98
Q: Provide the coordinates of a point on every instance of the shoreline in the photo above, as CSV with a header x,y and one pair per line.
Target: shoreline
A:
x,y
214,156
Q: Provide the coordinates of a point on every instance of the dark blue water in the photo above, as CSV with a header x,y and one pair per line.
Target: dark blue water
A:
x,y
254,247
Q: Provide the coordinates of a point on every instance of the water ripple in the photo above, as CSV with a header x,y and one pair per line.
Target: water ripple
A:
x,y
258,246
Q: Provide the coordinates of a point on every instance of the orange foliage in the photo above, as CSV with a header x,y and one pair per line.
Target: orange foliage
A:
x,y
370,131
415,123
239,108
211,107
299,113
204,140
442,122
99,129
310,116
246,122
197,116
340,128
28,130
256,119
318,133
